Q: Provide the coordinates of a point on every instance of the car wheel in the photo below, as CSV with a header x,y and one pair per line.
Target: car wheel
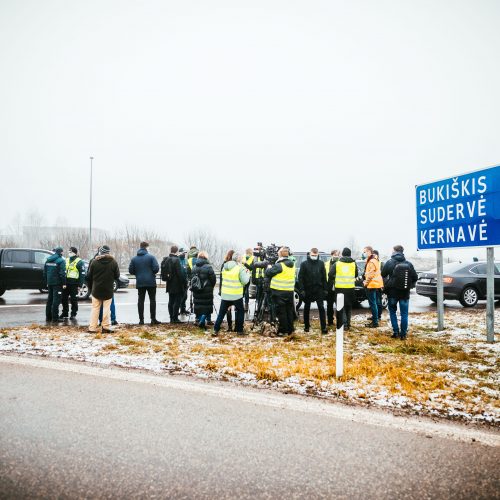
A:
x,y
43,290
385,300
297,301
2,291
83,292
469,296
115,285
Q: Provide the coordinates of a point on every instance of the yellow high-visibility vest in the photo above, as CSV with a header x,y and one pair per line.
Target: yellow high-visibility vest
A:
x,y
344,276
284,281
190,262
231,284
71,269
249,260
327,267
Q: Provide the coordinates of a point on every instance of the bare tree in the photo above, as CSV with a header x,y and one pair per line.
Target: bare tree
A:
x,y
216,248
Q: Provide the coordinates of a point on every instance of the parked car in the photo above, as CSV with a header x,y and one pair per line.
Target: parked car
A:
x,y
84,292
461,281
22,268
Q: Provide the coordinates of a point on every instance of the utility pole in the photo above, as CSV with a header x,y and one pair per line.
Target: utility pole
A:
x,y
90,215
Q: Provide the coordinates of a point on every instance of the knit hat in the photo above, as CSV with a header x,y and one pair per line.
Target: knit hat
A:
x,y
73,249
59,250
104,250
181,250
346,252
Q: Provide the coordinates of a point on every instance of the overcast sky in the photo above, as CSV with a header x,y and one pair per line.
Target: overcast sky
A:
x,y
306,123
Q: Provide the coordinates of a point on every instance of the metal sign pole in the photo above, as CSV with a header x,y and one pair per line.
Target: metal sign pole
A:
x,y
440,291
490,294
339,338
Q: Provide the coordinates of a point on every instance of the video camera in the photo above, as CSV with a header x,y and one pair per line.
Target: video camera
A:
x,y
268,255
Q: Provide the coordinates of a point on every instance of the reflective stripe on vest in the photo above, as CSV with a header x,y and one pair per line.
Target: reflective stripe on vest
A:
x,y
284,281
344,276
231,284
71,269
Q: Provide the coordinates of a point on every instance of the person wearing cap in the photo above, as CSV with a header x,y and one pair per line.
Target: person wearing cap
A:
x,y
343,274
282,285
102,273
54,275
75,276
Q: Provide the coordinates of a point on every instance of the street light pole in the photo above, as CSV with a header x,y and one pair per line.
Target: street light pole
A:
x,y
90,218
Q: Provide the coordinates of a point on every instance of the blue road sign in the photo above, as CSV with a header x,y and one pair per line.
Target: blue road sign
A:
x,y
462,211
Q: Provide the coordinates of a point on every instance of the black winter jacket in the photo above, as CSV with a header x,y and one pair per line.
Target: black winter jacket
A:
x,y
312,280
397,258
177,282
102,273
204,299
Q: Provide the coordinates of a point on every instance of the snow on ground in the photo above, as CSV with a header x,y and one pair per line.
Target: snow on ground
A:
x,y
453,374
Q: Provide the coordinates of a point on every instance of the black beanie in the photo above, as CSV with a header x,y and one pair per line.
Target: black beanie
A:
x,y
73,249
346,252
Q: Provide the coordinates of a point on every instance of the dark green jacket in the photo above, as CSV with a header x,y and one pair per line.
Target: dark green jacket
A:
x,y
102,273
54,271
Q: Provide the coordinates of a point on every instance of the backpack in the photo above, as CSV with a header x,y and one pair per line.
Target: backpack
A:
x,y
166,269
196,284
400,278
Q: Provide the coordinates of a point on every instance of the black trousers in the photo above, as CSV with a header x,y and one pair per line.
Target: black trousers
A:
x,y
344,316
224,309
71,293
321,310
151,291
53,302
284,308
330,304
174,305
183,301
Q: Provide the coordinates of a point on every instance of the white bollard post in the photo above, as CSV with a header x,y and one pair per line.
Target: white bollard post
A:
x,y
339,339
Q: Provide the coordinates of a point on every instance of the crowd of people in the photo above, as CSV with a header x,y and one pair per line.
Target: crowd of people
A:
x,y
275,284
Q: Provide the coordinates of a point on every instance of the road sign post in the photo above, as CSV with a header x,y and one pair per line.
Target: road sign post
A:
x,y
490,294
461,212
440,291
339,338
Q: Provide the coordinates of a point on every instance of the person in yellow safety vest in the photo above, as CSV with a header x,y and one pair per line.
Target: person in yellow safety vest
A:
x,y
372,282
343,274
247,261
191,259
330,297
75,277
234,278
282,286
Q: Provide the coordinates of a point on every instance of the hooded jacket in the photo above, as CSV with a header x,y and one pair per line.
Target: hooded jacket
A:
x,y
244,277
204,299
397,258
102,273
312,279
54,270
177,282
144,266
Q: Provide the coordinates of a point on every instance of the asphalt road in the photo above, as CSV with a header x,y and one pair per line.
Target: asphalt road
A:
x,y
74,435
20,307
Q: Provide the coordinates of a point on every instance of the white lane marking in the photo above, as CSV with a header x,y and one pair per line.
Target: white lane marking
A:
x,y
284,402
80,304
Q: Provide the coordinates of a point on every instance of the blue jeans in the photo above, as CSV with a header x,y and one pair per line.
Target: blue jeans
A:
x,y
371,294
403,309
113,311
240,314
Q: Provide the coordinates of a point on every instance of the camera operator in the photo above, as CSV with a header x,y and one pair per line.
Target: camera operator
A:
x,y
258,270
282,285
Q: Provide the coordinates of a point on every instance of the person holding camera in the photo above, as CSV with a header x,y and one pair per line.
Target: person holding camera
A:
x,y
282,286
313,287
